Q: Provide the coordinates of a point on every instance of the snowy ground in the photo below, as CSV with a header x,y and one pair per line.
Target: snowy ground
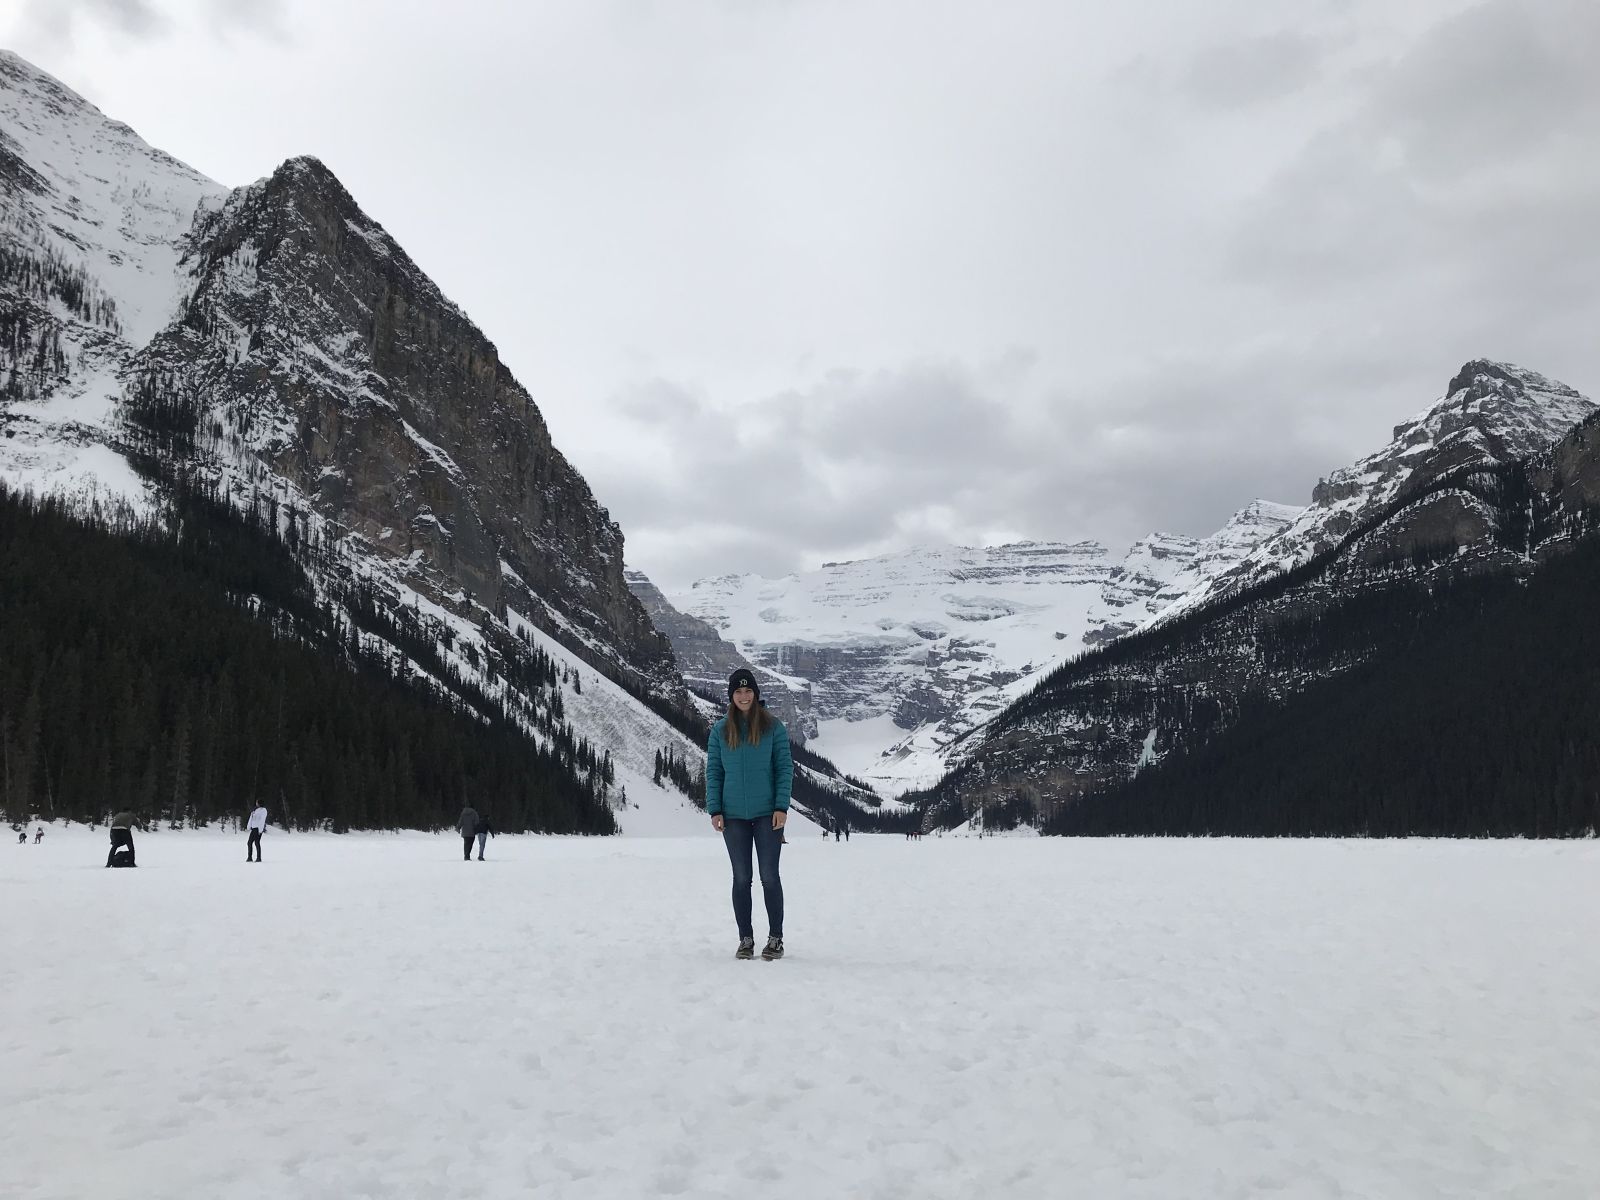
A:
x,y
370,1016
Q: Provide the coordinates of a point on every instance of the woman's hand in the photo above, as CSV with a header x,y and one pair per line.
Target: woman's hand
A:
x,y
778,818
716,822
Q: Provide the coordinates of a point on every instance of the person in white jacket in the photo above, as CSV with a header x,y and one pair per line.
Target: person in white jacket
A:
x,y
258,826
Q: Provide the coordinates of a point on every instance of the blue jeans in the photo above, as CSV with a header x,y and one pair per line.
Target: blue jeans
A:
x,y
741,837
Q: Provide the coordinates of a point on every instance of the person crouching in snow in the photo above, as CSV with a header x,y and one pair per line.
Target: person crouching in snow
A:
x,y
749,775
122,835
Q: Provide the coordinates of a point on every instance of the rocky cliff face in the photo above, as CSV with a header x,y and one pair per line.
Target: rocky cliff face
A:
x,y
310,339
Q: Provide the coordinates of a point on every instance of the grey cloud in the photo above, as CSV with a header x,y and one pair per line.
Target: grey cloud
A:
x,y
1450,214
819,472
56,21
1497,85
946,451
659,402
1459,155
268,18
1188,443
1255,70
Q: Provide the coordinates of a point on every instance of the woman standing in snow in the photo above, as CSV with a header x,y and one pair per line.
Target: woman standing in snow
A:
x,y
748,778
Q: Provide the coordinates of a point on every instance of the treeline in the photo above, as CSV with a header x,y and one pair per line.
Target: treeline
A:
x,y
47,276
1475,711
673,767
188,670
34,286
162,416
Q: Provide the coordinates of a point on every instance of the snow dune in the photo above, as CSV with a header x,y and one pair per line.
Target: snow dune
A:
x,y
369,1016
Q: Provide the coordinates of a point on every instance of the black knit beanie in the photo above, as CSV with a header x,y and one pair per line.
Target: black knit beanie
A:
x,y
743,678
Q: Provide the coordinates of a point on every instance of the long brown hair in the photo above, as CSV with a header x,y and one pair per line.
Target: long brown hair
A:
x,y
754,729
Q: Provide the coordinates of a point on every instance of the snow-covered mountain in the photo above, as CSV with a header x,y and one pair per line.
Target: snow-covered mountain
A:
x,y
908,652
707,660
1451,544
93,225
275,342
1491,412
1165,569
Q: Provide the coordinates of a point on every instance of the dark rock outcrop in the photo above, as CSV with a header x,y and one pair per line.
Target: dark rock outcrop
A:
x,y
313,340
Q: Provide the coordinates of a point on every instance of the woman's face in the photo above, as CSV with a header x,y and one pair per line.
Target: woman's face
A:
x,y
743,698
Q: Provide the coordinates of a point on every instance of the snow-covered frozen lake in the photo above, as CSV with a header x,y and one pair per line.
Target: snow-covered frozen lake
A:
x,y
370,1016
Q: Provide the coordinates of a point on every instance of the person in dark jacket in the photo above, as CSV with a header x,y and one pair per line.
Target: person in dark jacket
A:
x,y
749,776
122,835
467,827
484,830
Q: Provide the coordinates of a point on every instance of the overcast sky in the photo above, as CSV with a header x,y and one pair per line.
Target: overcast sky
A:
x,y
797,280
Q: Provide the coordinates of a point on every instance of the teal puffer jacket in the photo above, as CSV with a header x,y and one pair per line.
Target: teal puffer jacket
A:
x,y
748,781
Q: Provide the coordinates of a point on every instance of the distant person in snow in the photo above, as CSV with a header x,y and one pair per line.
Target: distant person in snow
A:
x,y
122,824
467,827
484,830
258,826
749,775
38,835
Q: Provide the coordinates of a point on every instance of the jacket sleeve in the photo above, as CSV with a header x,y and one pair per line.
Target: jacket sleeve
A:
x,y
782,766
714,772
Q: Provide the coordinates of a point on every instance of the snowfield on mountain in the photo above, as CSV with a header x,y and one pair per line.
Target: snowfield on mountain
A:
x,y
369,1016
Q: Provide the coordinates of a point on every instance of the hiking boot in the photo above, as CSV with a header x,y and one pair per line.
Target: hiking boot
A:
x,y
773,949
747,948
